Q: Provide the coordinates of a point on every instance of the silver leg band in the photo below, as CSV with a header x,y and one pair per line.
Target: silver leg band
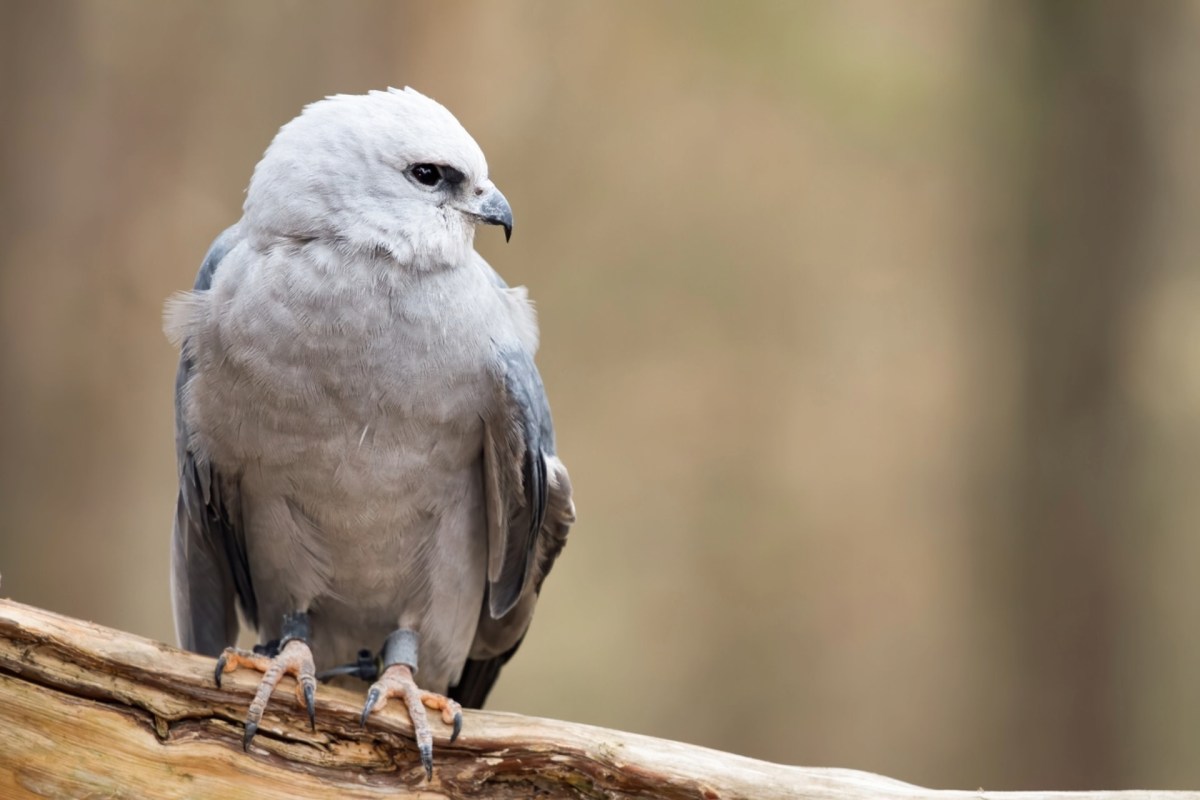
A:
x,y
401,648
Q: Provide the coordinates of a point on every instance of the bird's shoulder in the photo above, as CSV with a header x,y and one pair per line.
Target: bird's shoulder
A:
x,y
515,305
187,311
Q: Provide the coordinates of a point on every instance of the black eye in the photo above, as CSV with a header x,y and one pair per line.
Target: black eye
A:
x,y
427,174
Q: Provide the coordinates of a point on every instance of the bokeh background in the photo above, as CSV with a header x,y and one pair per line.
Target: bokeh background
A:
x,y
872,331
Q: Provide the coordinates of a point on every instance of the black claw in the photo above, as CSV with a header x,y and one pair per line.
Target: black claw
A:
x,y
427,760
220,670
251,729
457,726
310,701
372,698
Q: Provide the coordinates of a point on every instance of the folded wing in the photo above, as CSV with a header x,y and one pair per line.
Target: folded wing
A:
x,y
529,512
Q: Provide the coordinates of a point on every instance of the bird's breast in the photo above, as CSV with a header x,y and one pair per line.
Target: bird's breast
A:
x,y
363,380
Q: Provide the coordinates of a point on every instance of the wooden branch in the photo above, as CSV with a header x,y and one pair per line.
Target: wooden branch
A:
x,y
87,711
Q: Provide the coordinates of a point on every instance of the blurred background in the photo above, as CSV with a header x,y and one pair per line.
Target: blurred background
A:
x,y
872,331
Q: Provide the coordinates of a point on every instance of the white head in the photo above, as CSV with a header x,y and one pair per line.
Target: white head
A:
x,y
387,172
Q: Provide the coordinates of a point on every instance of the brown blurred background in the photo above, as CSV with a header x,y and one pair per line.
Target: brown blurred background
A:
x,y
872,331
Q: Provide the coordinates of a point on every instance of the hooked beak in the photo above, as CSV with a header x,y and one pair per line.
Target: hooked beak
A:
x,y
492,208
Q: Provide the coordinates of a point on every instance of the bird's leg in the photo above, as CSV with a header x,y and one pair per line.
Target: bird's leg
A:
x,y
397,680
292,656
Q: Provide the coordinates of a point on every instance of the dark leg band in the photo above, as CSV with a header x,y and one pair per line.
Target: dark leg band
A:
x,y
295,626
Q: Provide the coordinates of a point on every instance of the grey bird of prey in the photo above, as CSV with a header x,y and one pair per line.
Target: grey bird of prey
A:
x,y
366,455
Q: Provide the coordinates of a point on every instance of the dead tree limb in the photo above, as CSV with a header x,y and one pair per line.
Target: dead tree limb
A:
x,y
87,711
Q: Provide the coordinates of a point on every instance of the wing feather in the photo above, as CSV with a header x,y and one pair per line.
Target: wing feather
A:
x,y
530,511
515,448
209,567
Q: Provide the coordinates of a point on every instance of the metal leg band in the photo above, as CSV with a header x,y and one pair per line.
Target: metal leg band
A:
x,y
401,648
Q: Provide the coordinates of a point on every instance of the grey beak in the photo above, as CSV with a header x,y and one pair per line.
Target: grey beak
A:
x,y
494,210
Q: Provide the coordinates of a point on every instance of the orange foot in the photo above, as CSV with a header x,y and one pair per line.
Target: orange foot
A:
x,y
294,659
397,681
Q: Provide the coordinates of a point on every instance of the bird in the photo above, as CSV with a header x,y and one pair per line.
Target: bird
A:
x,y
366,456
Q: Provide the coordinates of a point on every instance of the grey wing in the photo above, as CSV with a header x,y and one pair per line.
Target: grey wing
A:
x,y
529,513
208,554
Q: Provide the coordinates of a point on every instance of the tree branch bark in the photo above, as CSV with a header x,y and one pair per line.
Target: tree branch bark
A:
x,y
87,711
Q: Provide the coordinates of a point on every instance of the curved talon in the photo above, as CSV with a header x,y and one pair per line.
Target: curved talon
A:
x,y
248,736
310,703
232,658
457,726
372,699
426,749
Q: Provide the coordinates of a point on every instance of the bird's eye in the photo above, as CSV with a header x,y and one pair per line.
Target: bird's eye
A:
x,y
427,174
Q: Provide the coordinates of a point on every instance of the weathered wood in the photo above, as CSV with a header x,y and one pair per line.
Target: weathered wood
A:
x,y
87,711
